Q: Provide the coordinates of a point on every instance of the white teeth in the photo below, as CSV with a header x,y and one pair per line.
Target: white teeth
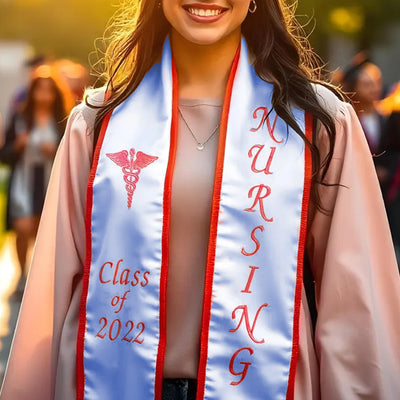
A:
x,y
204,13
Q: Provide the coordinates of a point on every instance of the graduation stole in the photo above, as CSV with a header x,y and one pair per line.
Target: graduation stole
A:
x,y
250,323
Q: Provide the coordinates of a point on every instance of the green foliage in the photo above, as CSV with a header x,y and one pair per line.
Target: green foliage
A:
x,y
69,28
66,28
373,16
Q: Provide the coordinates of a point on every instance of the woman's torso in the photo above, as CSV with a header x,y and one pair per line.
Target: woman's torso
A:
x,y
191,197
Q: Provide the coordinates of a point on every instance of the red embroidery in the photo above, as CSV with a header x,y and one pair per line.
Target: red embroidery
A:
x,y
111,333
109,264
119,300
245,364
146,279
259,199
131,326
255,240
127,277
131,168
115,331
265,118
105,322
251,276
266,170
245,315
142,328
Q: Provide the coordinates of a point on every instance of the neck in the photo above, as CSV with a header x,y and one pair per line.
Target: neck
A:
x,y
203,70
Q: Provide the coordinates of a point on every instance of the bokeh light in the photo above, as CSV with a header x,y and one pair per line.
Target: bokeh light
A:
x,y
347,20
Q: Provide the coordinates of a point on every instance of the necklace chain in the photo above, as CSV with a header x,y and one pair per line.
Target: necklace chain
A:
x,y
200,146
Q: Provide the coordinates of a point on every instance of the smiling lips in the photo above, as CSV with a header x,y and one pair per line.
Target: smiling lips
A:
x,y
204,12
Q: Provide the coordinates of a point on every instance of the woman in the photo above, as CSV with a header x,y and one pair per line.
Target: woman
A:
x,y
391,160
363,81
30,147
189,282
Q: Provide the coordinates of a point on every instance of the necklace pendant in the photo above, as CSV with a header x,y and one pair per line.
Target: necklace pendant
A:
x,y
200,146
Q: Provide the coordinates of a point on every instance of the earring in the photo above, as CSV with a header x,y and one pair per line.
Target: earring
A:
x,y
159,4
253,6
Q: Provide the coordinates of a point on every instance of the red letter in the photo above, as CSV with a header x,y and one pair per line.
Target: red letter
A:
x,y
259,198
255,240
251,276
124,278
246,365
115,280
101,272
245,315
146,279
135,275
260,147
265,117
121,300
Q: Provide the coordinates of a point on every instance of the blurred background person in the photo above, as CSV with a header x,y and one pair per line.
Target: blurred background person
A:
x,y
30,145
20,96
75,75
18,100
381,124
363,82
391,145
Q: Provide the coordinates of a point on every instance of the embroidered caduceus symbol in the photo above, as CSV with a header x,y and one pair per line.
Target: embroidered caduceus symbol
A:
x,y
131,168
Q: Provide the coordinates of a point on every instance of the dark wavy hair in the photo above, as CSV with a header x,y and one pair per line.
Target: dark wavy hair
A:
x,y
58,109
282,54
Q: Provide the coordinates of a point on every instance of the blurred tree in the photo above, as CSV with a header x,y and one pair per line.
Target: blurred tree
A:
x,y
66,28
362,20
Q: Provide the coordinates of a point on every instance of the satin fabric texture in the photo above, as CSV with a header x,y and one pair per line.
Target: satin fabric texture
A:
x,y
249,337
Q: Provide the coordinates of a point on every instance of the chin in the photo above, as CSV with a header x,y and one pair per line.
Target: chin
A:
x,y
203,40
204,37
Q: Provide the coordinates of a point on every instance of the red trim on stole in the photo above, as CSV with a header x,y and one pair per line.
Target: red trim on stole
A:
x,y
201,377
165,238
300,259
80,345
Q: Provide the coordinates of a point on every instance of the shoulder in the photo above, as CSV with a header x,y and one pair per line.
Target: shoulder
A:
x,y
78,137
346,122
87,109
81,119
328,100
348,134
